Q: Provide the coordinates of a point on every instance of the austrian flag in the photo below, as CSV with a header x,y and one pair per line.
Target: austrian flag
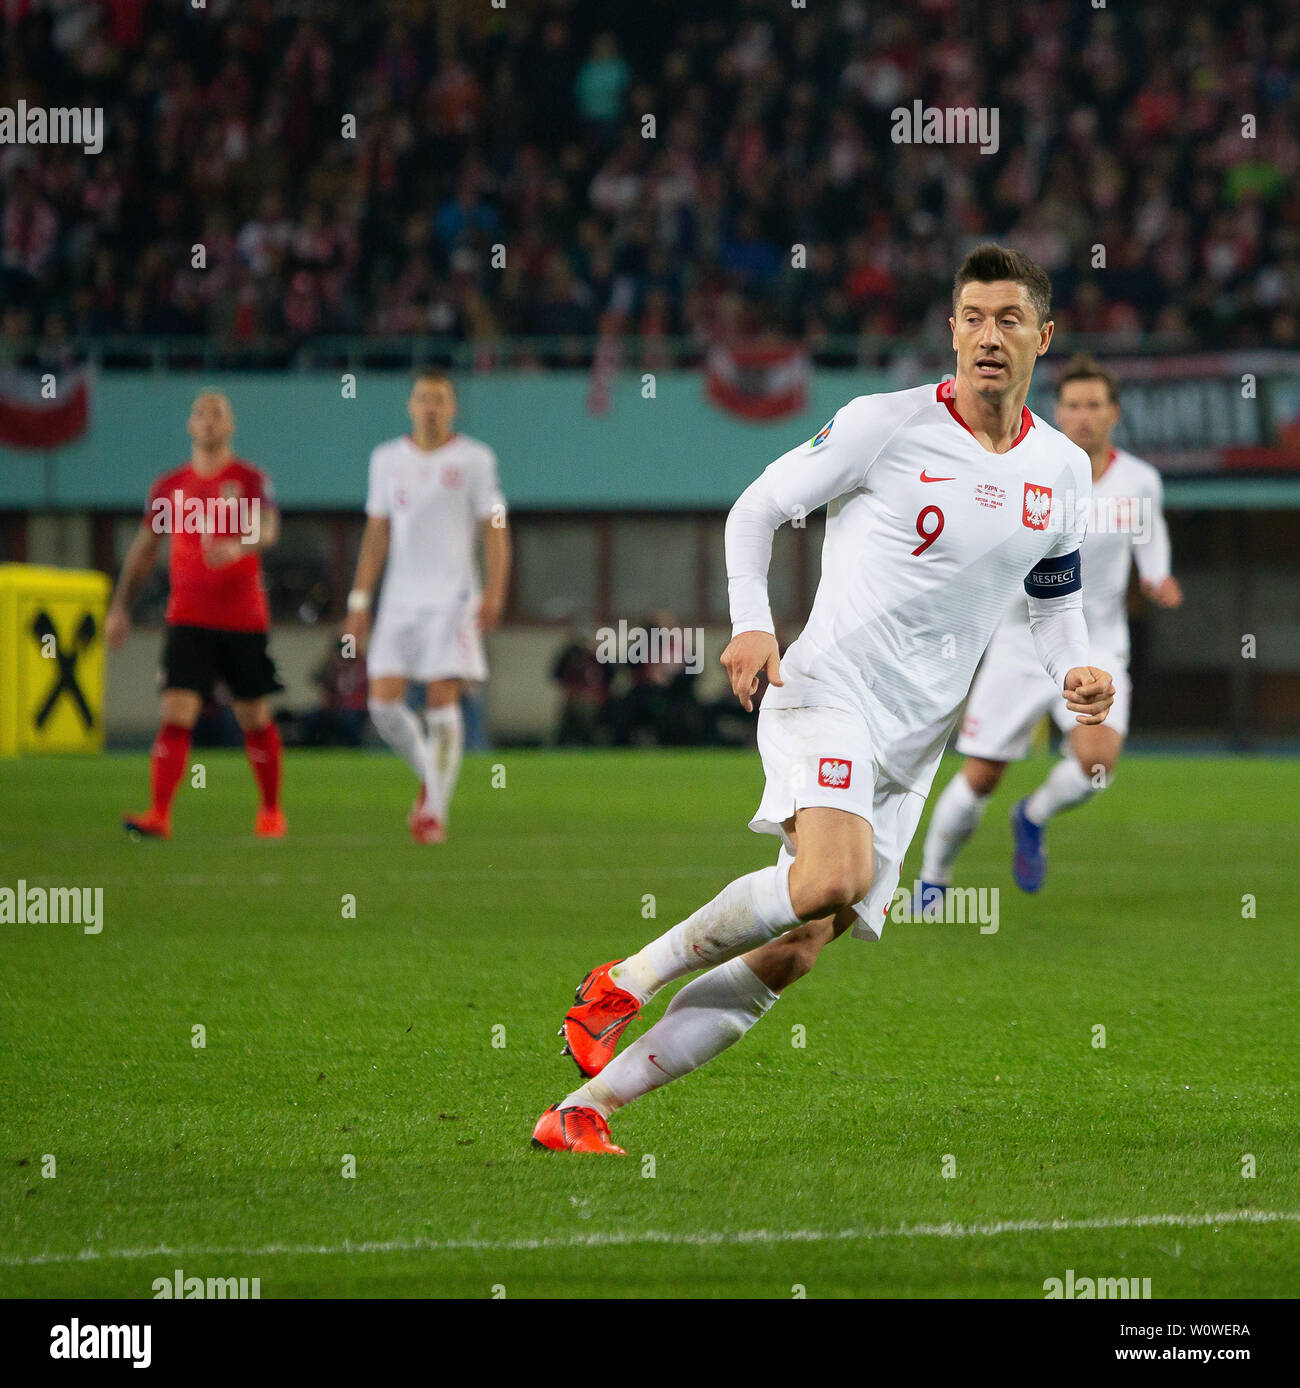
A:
x,y
43,411
759,382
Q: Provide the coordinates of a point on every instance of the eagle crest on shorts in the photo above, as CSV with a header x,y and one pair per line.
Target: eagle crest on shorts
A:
x,y
834,773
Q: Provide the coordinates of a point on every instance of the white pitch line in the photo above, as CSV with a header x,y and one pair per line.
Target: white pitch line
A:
x,y
651,1236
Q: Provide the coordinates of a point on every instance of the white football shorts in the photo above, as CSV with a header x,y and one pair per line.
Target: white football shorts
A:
x,y
824,757
432,643
1011,693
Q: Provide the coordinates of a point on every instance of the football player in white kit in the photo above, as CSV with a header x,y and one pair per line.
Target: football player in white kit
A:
x,y
1010,693
431,493
940,504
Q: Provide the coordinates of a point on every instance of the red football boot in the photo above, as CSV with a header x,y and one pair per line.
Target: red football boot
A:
x,y
425,826
417,809
574,1130
427,829
149,825
271,824
595,1023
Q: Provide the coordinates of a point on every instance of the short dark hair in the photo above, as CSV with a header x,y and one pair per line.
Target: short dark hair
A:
x,y
991,262
1085,368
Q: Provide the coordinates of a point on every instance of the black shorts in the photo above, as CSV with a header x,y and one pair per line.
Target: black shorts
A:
x,y
196,658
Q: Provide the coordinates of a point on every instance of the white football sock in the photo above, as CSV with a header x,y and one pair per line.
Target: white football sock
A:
x,y
745,913
400,728
447,738
957,814
708,1015
1067,786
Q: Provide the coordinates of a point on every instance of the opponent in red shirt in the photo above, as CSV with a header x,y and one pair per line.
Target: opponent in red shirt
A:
x,y
220,514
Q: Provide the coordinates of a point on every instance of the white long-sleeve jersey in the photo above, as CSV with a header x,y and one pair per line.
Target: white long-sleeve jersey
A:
x,y
435,502
928,538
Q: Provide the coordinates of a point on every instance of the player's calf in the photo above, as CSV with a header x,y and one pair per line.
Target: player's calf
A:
x,y
957,814
710,1014
785,961
1097,750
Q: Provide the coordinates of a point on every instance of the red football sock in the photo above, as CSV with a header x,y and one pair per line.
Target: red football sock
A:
x,y
264,756
170,756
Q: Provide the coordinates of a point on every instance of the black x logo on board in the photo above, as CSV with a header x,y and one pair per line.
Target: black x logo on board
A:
x,y
66,683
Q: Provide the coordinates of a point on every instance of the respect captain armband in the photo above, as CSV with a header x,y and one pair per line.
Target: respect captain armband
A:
x,y
1054,578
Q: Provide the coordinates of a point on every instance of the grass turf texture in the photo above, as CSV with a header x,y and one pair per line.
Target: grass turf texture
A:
x,y
374,1037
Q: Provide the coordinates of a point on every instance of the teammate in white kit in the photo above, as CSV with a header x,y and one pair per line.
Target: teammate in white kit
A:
x,y
431,493
940,504
1010,693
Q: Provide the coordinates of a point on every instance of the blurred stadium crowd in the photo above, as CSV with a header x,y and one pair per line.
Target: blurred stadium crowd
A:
x,y
523,126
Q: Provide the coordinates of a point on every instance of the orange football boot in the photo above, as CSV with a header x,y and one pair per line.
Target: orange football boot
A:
x,y
271,824
149,825
595,1023
574,1130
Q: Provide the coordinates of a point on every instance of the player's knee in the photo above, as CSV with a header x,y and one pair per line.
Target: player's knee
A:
x,y
829,888
252,717
1100,770
983,777
182,710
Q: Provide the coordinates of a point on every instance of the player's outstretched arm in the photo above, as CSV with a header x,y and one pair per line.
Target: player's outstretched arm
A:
x,y
496,562
370,565
831,464
1153,556
747,655
136,567
1055,592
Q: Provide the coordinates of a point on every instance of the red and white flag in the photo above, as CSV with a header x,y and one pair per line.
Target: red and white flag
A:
x,y
43,410
605,362
758,382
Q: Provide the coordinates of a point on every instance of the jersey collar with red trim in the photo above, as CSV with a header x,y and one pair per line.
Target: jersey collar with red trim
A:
x,y
427,452
945,397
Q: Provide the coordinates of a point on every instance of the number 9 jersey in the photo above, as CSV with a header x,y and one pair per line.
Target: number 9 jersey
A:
x,y
929,536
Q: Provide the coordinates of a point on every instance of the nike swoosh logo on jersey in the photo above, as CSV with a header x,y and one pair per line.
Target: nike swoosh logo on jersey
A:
x,y
925,477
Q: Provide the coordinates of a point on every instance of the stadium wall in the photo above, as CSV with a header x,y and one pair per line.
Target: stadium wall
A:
x,y
674,451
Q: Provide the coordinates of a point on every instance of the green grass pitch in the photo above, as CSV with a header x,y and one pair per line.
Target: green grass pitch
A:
x,y
419,1038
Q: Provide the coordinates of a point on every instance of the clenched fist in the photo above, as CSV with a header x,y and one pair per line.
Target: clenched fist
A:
x,y
1089,693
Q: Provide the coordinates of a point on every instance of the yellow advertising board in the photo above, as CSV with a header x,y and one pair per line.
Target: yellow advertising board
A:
x,y
51,659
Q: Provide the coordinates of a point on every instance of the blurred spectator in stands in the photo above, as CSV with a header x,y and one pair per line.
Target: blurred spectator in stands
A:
x,y
30,233
585,682
658,705
340,719
599,89
1119,127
